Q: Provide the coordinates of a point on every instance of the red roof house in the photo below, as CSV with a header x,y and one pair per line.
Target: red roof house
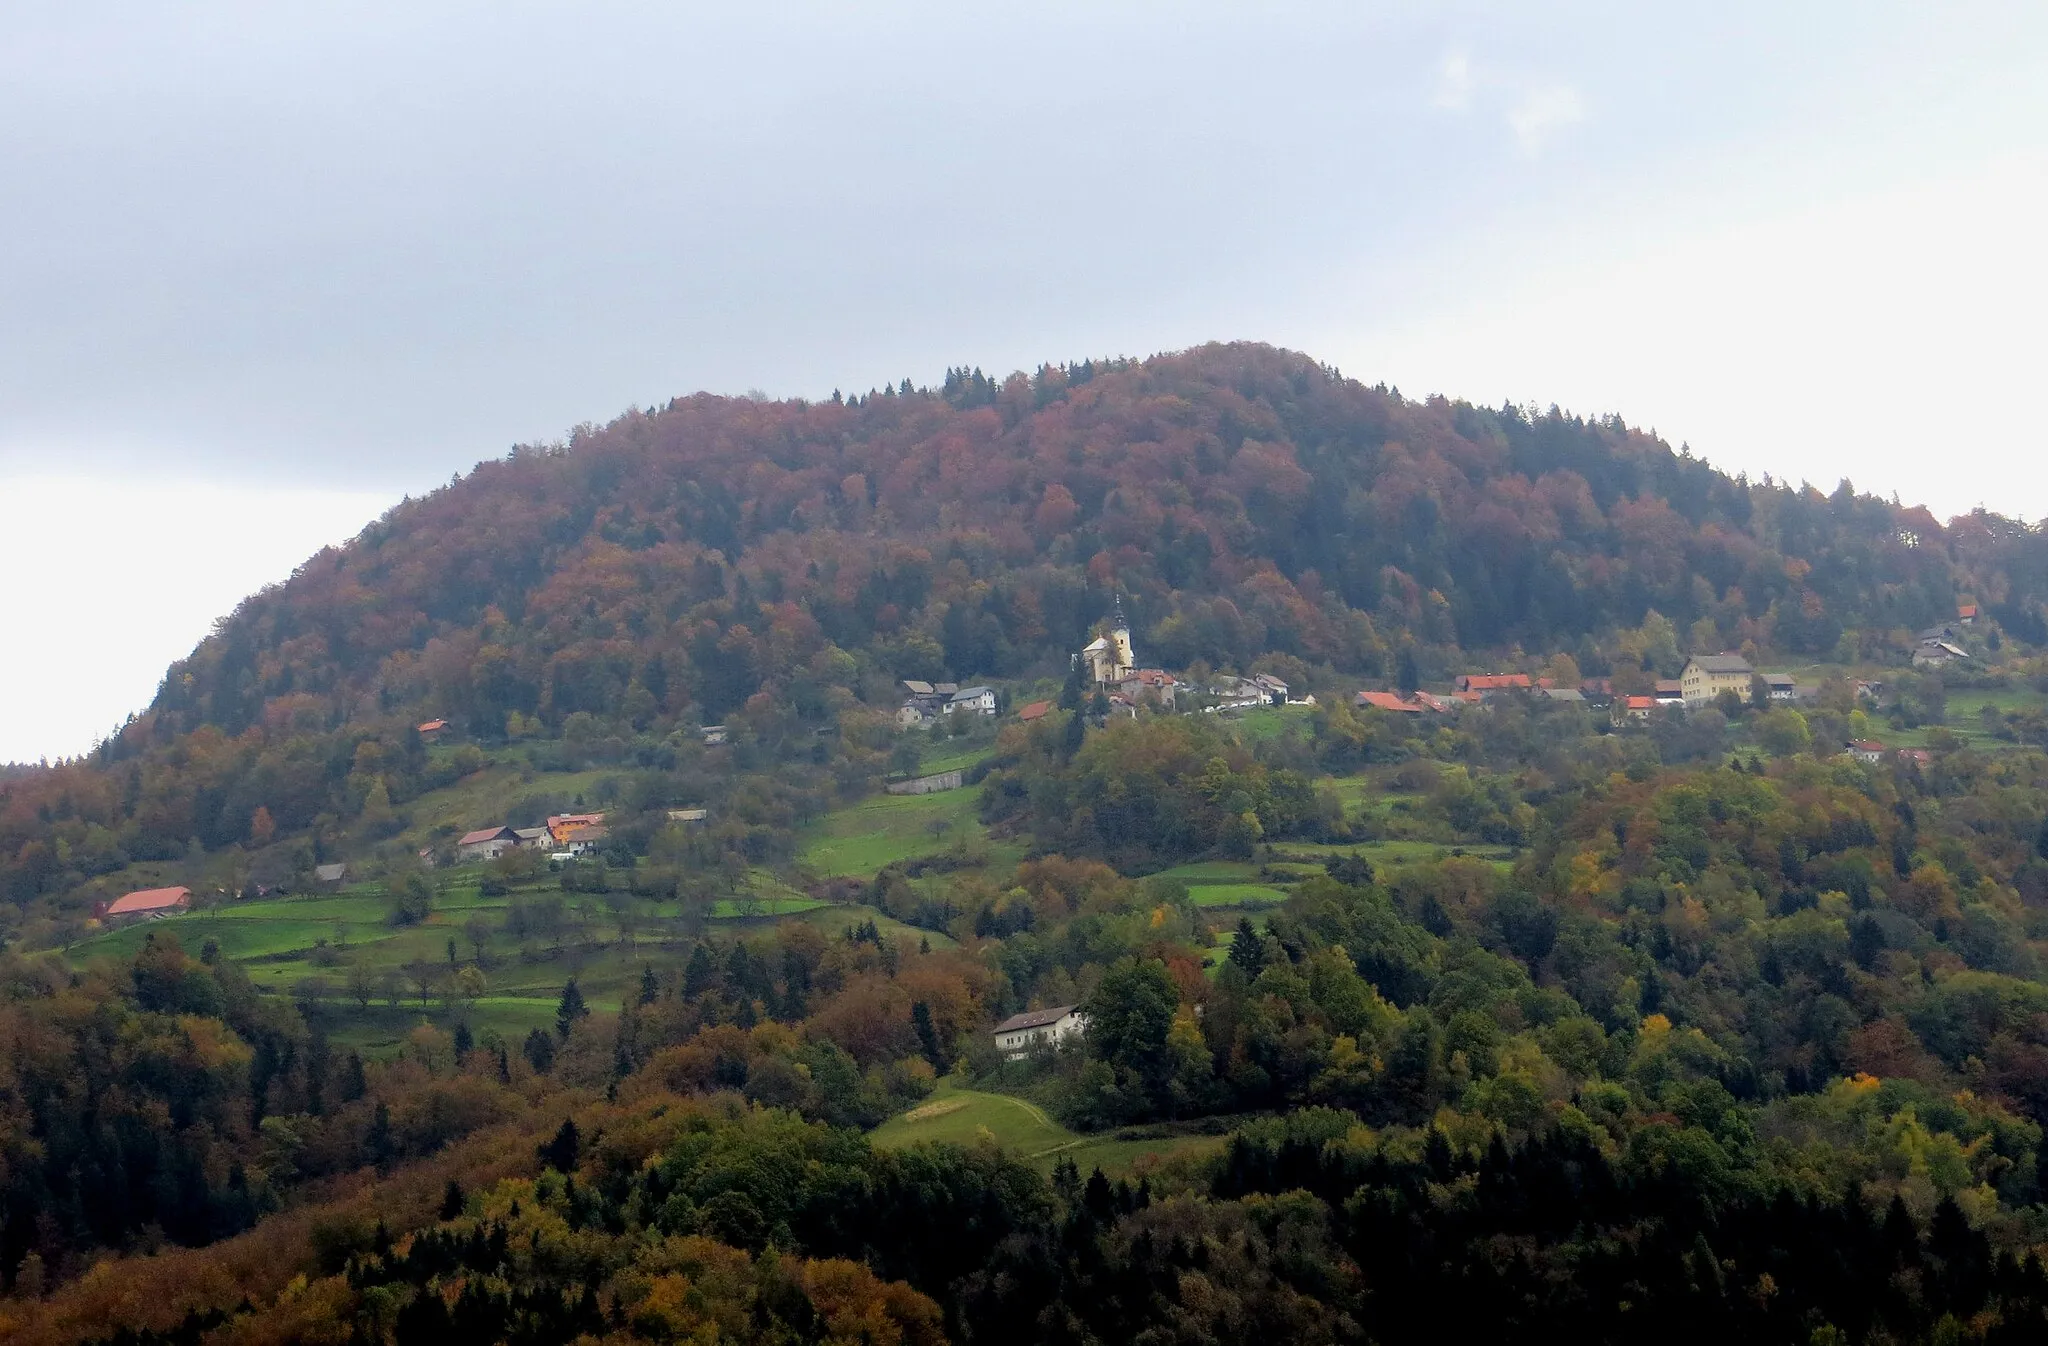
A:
x,y
1387,701
1494,682
1037,710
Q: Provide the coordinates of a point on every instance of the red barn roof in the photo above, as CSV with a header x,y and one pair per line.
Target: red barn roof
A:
x,y
1037,710
151,899
1387,701
1492,682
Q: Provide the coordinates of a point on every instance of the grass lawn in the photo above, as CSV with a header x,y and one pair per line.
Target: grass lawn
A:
x,y
950,758
856,841
1224,883
482,798
837,920
1268,722
957,1115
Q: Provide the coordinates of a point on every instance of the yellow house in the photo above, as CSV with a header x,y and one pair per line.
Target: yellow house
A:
x,y
1706,676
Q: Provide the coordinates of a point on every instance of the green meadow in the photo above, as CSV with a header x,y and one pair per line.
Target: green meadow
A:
x,y
957,1115
858,840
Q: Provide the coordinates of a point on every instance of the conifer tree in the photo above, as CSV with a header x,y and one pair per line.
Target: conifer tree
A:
x,y
1247,950
570,1010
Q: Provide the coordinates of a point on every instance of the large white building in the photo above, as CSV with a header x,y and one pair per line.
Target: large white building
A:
x,y
1706,676
1020,1033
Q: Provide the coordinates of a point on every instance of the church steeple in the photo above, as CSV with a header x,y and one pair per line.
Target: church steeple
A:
x,y
1109,658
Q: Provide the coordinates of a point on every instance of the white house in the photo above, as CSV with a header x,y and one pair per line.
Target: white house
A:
x,y
975,700
1017,1035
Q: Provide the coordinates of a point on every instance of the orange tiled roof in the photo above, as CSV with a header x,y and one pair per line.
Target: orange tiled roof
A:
x,y
1492,682
150,899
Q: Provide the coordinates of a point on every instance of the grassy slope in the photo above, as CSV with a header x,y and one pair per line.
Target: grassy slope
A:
x,y
958,1115
883,829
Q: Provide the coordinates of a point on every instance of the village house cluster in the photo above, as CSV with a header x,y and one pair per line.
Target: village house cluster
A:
x,y
925,702
566,837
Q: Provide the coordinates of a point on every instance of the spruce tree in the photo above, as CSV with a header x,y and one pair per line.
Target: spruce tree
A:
x,y
650,988
570,1010
701,974
539,1051
1247,950
928,1035
560,1153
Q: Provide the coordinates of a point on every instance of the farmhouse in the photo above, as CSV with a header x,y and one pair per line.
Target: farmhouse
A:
x,y
973,700
1017,1035
147,904
1866,750
1154,684
1938,654
1706,676
486,843
561,824
584,840
689,817
1235,693
532,838
1784,687
1669,692
1388,701
1488,683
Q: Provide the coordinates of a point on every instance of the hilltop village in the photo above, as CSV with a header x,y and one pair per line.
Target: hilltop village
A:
x,y
1107,672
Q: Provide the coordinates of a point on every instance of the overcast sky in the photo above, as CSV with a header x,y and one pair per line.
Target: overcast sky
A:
x,y
265,268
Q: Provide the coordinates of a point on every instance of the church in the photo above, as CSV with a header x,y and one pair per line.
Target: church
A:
x,y
1112,666
1108,659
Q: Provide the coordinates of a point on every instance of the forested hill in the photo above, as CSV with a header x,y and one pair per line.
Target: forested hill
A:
x,y
1245,500
783,563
